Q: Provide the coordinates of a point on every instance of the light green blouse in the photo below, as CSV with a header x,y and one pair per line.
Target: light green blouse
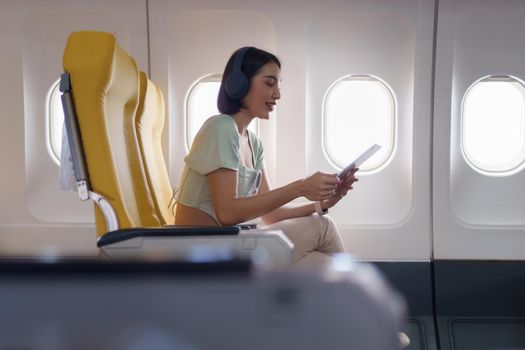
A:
x,y
215,146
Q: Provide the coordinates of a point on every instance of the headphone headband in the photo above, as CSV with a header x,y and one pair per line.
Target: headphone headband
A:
x,y
239,58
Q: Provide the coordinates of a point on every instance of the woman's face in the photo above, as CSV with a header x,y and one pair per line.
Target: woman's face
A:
x,y
264,91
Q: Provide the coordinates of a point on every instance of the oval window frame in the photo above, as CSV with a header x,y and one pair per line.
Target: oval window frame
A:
x,y
476,165
387,151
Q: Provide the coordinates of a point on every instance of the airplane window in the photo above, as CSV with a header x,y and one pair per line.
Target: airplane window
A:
x,y
493,122
201,103
55,121
358,111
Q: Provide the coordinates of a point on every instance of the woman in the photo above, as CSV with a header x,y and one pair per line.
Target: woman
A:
x,y
224,181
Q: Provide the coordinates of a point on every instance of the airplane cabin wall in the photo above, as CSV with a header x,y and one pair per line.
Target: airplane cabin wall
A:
x,y
475,216
386,216
418,205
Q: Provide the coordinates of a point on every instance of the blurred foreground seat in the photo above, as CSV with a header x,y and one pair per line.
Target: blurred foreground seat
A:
x,y
195,305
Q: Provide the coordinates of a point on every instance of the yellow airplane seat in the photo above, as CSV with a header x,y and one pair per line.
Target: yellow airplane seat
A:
x,y
104,83
114,117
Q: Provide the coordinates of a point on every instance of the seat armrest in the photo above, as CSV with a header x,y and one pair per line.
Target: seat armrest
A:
x,y
166,231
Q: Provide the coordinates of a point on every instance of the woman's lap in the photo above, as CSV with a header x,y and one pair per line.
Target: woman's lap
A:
x,y
315,237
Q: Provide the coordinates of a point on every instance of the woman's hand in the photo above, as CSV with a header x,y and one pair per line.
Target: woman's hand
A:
x,y
319,186
344,185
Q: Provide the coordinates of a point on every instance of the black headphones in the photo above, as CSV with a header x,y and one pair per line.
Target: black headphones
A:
x,y
237,84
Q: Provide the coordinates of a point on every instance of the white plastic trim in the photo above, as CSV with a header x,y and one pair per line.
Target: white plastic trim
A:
x,y
108,211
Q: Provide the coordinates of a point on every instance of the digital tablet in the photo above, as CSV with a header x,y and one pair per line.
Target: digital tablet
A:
x,y
359,160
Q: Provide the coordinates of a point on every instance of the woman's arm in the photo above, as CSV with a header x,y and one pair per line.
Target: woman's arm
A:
x,y
231,210
283,212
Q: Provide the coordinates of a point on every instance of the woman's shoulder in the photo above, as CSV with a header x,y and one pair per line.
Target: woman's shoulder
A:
x,y
219,123
220,119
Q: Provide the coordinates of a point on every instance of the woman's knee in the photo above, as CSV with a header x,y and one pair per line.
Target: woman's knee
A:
x,y
326,221
331,239
325,224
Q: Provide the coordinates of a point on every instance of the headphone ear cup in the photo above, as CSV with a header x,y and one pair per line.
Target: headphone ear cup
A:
x,y
236,85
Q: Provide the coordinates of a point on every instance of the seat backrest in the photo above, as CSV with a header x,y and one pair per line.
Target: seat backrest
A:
x,y
105,89
149,124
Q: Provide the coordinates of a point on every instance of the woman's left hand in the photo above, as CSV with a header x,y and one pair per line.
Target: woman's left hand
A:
x,y
344,185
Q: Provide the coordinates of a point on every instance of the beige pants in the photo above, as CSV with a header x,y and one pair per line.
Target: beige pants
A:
x,y
315,238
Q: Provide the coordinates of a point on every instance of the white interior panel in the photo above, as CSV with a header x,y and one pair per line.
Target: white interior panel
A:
x,y
475,216
337,38
386,215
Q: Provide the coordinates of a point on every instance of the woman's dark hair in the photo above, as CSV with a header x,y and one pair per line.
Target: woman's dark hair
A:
x,y
253,60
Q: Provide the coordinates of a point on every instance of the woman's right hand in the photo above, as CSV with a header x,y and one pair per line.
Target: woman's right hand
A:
x,y
319,186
